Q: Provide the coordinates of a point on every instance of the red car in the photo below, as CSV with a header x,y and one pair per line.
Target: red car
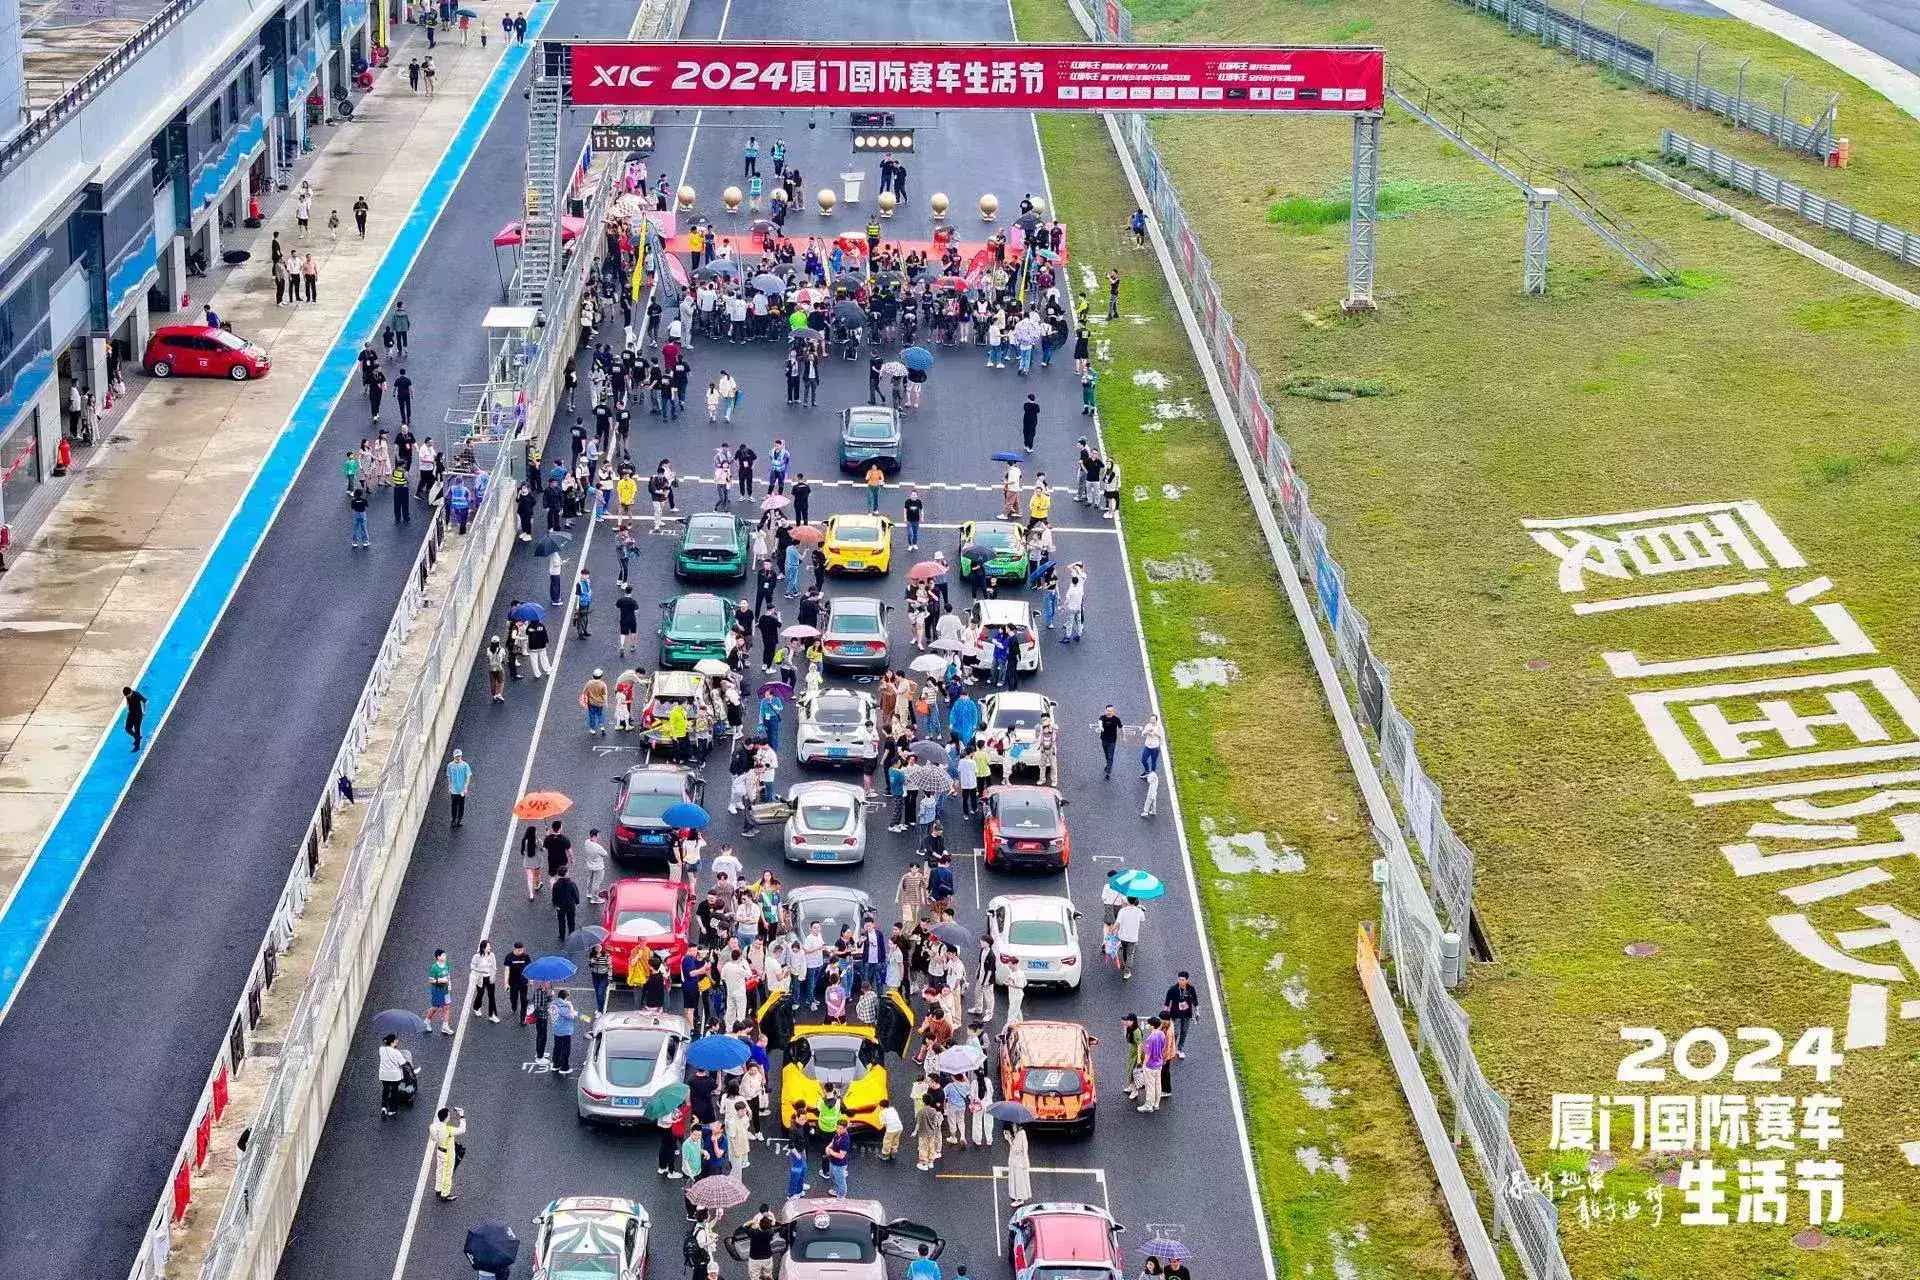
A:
x,y
656,913
1025,827
1056,1240
197,350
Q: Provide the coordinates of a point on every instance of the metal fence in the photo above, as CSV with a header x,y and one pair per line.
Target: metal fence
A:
x,y
1790,112
315,1040
1895,242
1426,956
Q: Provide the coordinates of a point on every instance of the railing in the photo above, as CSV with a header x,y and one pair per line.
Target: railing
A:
x,y
44,123
1895,242
1427,959
1793,115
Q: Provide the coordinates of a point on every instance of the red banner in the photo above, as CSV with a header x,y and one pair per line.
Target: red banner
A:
x,y
1002,77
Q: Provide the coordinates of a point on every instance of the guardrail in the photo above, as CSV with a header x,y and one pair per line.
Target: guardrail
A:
x,y
1426,958
1895,242
1793,115
46,123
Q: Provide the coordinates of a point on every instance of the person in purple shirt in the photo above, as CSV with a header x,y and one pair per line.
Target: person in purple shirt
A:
x,y
1153,1057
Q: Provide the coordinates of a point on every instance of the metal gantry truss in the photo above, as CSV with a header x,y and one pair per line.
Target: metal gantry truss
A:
x,y
1365,211
541,206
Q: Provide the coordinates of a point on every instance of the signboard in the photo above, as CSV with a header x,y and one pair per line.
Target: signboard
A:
x,y
622,139
1002,77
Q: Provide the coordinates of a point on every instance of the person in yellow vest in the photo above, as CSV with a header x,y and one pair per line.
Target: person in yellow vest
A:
x,y
696,243
447,1149
1040,505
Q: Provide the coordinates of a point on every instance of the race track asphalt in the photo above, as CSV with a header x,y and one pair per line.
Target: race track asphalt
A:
x,y
109,1041
1180,1171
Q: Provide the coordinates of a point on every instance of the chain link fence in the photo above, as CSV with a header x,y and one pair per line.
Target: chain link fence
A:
x,y
1790,112
1426,956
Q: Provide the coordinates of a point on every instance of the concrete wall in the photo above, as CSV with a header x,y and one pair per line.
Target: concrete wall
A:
x,y
12,86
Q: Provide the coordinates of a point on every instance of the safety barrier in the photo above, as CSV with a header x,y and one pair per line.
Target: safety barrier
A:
x,y
1895,242
285,1131
1426,958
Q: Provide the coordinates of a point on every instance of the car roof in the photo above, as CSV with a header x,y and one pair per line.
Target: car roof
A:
x,y
1020,698
1018,793
184,331
1008,525
856,520
676,684
878,412
826,786
1065,1235
1036,1041
835,1030
591,1206
823,892
647,889
992,611
701,600
842,695
713,517
642,1020
656,778
1033,906
854,604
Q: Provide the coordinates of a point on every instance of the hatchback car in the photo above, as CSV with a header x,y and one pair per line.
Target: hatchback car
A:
x,y
858,544
692,627
713,546
591,1238
1025,827
1058,1240
1048,1066
992,549
829,824
1015,616
630,1057
1039,931
651,913
643,793
870,433
198,350
824,1238
838,727
854,636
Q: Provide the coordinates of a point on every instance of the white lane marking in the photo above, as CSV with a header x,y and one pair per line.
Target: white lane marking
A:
x,y
1215,1003
506,848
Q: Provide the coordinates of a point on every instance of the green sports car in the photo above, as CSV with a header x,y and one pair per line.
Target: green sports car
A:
x,y
714,545
694,626
992,549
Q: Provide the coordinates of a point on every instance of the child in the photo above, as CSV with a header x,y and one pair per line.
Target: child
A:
x,y
622,707
713,402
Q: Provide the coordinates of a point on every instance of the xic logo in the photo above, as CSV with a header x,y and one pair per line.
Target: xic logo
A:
x,y
627,77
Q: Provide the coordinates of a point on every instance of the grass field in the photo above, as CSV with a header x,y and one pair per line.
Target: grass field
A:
x,y
1346,1191
1757,376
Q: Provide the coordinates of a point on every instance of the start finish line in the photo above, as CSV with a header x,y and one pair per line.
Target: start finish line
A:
x,y
994,77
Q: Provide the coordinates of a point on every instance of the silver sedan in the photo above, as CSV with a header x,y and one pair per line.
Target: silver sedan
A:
x,y
838,727
829,823
630,1057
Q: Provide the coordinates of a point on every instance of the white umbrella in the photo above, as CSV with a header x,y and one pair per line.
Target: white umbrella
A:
x,y
960,1059
929,664
711,667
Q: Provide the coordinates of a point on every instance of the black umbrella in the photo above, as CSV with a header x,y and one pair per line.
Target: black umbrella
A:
x,y
1008,1111
848,312
551,541
954,935
930,751
397,1022
586,938
492,1248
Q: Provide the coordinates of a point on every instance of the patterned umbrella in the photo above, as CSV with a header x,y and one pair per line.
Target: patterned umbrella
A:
x,y
1166,1250
930,778
719,1191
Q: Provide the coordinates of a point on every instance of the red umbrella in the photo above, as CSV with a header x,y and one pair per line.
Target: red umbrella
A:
x,y
807,533
926,571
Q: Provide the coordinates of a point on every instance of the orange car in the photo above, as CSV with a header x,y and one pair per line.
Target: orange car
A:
x,y
1048,1067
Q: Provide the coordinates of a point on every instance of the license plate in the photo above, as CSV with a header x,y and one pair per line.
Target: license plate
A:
x,y
839,753
1039,965
626,1102
824,855
853,648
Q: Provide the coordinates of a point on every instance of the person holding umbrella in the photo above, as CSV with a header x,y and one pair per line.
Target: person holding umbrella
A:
x,y
396,1068
1019,1167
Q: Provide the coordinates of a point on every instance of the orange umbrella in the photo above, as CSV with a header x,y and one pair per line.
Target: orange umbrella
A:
x,y
539,805
807,533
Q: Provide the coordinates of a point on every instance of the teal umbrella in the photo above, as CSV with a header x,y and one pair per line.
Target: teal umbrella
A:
x,y
1143,885
668,1100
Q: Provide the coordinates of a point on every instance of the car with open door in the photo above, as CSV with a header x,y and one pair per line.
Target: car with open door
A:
x,y
849,1056
826,1238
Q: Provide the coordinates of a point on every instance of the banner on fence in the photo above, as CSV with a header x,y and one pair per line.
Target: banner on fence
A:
x,y
991,77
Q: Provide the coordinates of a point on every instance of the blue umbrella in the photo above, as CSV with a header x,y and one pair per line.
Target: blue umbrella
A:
x,y
1138,884
526,611
1007,455
551,969
397,1022
465,13
917,358
718,1053
690,817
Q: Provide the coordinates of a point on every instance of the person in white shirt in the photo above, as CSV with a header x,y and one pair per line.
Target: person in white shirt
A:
x,y
734,972
395,1063
1152,805
1073,602
482,968
593,860
813,948
726,869
1126,927
1014,979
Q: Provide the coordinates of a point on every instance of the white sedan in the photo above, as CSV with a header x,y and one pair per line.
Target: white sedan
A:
x,y
838,727
1011,615
829,823
1039,931
598,1236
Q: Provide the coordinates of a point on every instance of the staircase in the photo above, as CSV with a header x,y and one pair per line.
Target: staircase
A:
x,y
540,223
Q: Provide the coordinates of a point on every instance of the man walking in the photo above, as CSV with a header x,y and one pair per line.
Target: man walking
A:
x,y
593,858
1182,1002
1113,303
360,221
459,778
1126,927
137,709
1073,603
1109,727
403,393
566,902
401,323
1153,1058
1030,421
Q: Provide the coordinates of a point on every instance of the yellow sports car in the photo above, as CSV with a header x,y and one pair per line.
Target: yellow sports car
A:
x,y
858,544
849,1056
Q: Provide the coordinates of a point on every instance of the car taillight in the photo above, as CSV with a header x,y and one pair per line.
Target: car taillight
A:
x,y
597,1097
625,833
848,842
1070,960
1031,637
1008,959
1020,1080
1086,1095
832,646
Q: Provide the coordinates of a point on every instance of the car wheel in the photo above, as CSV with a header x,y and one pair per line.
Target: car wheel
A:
x,y
239,372
160,369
